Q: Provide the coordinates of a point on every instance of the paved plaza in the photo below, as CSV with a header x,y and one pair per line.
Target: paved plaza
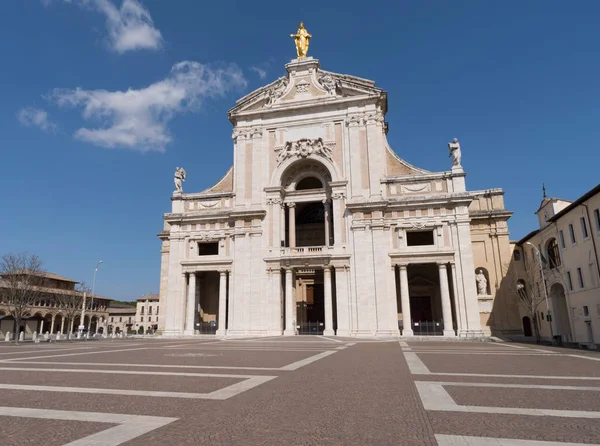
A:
x,y
298,391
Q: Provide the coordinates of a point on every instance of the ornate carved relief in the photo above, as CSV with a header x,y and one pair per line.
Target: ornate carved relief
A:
x,y
209,236
328,83
246,132
338,195
303,148
302,87
272,201
415,188
366,119
277,91
210,204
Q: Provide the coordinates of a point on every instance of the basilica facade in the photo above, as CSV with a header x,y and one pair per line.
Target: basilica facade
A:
x,y
320,227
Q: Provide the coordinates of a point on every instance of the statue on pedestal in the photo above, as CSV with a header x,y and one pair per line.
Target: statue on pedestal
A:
x,y
179,179
454,147
481,283
302,39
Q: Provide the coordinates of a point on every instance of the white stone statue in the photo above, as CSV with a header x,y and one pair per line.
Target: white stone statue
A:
x,y
277,90
481,283
179,179
328,83
454,147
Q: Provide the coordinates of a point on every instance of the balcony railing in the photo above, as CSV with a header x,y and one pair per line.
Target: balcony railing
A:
x,y
303,250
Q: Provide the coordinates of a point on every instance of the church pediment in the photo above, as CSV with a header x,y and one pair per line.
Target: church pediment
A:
x,y
305,83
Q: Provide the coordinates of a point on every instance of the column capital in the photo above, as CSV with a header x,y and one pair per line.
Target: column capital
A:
x,y
327,269
291,204
402,265
441,264
222,272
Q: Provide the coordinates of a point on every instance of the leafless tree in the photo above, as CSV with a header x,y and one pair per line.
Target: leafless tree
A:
x,y
22,276
71,303
530,294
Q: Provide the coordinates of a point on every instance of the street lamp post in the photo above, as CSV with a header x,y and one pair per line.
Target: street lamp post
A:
x,y
548,314
93,287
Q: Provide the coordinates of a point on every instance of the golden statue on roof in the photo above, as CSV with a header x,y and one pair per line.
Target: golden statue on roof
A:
x,y
302,39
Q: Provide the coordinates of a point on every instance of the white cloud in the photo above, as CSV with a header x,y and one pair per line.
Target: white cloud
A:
x,y
137,119
262,73
129,27
36,117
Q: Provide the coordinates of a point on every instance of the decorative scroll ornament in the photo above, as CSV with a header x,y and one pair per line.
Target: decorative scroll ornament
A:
x,y
277,90
303,148
328,83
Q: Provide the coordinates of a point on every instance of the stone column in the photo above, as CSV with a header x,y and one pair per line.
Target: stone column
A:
x,y
290,324
221,331
191,306
282,226
52,324
62,325
405,300
292,224
275,302
446,307
327,207
42,326
328,331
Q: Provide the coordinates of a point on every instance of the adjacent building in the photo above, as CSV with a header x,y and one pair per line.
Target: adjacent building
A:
x,y
46,315
567,239
320,227
121,318
147,314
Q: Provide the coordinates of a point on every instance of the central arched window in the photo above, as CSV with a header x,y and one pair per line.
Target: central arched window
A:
x,y
553,253
309,183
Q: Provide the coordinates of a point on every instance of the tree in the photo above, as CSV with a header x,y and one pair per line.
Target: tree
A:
x,y
71,303
22,276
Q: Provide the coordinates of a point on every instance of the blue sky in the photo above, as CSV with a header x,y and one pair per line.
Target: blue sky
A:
x,y
87,166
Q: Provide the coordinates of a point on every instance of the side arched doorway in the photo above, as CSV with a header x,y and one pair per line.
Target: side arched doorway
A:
x,y
527,327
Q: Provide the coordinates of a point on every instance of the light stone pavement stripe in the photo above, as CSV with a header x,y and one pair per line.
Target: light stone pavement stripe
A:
x,y
434,397
459,440
330,339
296,365
221,394
22,352
585,357
74,354
516,386
251,349
415,365
129,426
404,345
489,353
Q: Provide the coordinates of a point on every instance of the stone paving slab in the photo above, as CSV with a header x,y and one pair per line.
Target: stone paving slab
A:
x,y
521,365
517,427
235,358
16,431
132,381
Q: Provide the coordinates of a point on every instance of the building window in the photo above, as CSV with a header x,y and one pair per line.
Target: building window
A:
x,y
142,319
156,318
121,319
584,229
553,254
569,280
580,277
572,233
129,320
112,318
208,248
586,310
142,310
597,218
517,255
419,238
150,309
561,236
157,309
